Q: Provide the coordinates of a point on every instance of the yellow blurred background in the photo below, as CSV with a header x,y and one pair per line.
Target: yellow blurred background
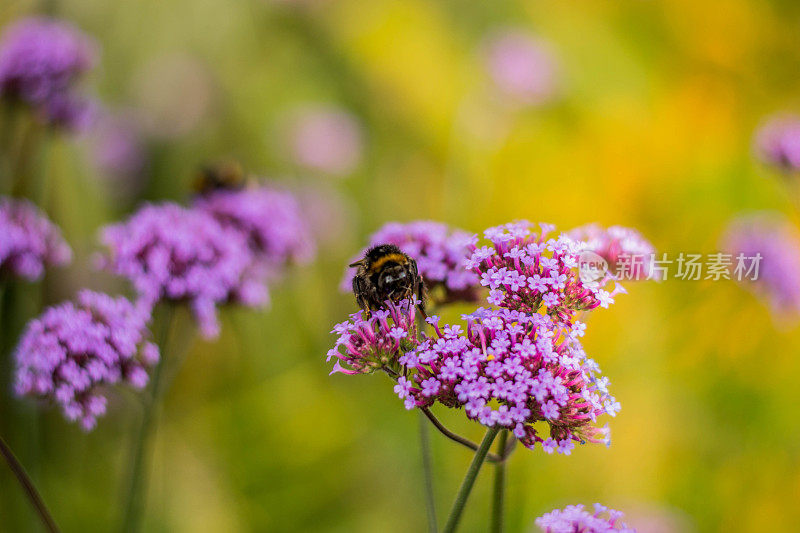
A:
x,y
651,128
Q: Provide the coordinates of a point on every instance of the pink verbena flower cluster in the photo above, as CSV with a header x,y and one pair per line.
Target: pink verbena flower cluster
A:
x,y
271,221
439,251
40,61
575,519
366,344
73,351
627,253
29,242
177,254
512,369
527,271
514,366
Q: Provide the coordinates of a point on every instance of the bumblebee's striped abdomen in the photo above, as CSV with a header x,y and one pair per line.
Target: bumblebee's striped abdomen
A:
x,y
377,264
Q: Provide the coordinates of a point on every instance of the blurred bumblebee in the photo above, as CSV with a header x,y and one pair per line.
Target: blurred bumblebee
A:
x,y
225,175
386,273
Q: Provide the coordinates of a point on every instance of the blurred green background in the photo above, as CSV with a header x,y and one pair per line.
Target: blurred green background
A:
x,y
652,129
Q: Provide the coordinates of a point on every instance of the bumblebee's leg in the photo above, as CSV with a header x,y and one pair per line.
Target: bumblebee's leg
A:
x,y
372,299
421,296
357,290
418,290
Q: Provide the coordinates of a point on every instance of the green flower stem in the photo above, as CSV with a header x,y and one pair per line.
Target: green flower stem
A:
x,y
469,480
3,327
40,184
455,437
427,456
139,458
8,329
49,7
24,184
499,485
7,126
29,488
427,466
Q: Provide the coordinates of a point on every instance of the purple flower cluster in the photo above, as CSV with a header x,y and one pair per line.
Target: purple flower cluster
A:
x,y
73,351
778,243
777,143
526,271
28,241
575,519
40,61
626,252
508,369
173,253
375,342
271,221
440,252
514,366
512,370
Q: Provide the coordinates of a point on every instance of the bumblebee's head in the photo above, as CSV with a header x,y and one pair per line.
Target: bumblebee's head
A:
x,y
391,271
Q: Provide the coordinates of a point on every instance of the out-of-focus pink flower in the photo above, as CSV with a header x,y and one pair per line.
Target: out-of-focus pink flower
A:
x,y
777,142
627,253
328,212
653,518
118,152
521,67
326,139
777,242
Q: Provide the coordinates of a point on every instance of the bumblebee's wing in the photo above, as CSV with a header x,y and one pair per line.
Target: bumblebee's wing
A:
x,y
359,289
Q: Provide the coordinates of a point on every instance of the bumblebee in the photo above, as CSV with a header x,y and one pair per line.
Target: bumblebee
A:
x,y
225,175
386,273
